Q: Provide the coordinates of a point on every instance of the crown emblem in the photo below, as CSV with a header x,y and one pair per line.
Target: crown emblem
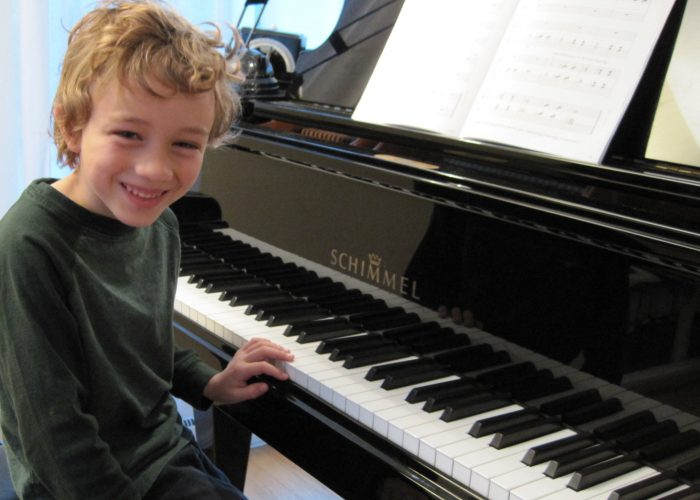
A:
x,y
374,260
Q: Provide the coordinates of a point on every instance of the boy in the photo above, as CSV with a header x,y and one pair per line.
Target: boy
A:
x,y
89,266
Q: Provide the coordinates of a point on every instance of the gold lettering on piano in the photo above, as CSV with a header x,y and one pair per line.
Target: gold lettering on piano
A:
x,y
370,269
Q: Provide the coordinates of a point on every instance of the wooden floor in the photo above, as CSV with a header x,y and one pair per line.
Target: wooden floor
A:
x,y
271,476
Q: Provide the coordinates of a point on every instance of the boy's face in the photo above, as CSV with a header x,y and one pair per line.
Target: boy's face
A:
x,y
138,152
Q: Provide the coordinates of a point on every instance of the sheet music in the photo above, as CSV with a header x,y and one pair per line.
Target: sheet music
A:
x,y
565,73
549,75
433,63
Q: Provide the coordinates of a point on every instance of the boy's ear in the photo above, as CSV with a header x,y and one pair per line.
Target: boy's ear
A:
x,y
71,137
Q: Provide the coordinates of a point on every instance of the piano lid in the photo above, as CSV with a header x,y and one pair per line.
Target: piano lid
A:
x,y
665,138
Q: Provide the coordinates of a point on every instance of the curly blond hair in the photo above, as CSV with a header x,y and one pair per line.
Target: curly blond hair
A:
x,y
144,41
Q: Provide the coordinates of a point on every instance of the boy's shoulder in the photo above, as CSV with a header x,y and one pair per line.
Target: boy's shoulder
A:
x,y
28,214
28,219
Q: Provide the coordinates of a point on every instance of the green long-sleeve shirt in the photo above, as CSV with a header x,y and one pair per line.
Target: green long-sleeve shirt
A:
x,y
87,358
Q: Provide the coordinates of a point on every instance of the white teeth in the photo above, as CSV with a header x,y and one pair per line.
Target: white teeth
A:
x,y
141,194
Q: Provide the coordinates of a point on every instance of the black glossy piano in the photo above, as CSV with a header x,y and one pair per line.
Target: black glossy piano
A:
x,y
468,319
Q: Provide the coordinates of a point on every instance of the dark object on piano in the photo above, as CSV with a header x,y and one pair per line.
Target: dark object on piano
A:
x,y
597,266
260,81
336,72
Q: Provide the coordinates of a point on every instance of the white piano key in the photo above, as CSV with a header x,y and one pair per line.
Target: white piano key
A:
x,y
494,463
426,432
677,489
483,466
540,488
602,490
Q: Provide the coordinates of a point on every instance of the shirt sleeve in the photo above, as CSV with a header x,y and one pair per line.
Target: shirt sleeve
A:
x,y
44,386
190,377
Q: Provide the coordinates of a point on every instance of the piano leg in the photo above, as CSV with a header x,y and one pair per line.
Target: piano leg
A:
x,y
231,447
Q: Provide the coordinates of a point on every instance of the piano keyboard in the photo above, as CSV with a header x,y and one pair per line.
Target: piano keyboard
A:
x,y
505,422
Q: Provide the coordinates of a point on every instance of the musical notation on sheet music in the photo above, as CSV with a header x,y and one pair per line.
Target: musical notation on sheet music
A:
x,y
539,114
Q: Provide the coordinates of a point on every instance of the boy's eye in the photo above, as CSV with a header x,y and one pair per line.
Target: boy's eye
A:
x,y
187,145
127,134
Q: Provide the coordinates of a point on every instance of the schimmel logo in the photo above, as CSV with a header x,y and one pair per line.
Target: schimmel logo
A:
x,y
370,269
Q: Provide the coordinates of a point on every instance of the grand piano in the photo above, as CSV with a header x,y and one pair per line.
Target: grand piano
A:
x,y
468,319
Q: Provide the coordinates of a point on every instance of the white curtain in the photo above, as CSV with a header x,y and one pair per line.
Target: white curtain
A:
x,y
24,90
33,39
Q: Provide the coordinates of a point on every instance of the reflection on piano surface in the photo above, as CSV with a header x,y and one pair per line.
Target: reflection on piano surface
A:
x,y
342,242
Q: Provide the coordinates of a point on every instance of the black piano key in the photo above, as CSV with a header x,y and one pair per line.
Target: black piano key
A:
x,y
654,453
190,268
358,307
679,459
492,402
579,459
467,352
319,286
546,388
306,337
343,352
242,262
383,371
407,332
690,493
327,346
375,356
689,470
387,323
307,278
228,251
222,270
592,412
268,266
405,379
245,283
199,258
265,311
204,282
470,358
527,380
647,435
218,273
351,296
545,452
237,258
339,297
254,309
571,402
321,326
438,343
287,317
646,488
418,394
492,425
256,296
248,285
511,372
524,432
456,397
368,317
252,256
669,445
624,425
601,472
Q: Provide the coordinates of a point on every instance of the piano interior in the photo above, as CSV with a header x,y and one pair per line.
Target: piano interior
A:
x,y
470,319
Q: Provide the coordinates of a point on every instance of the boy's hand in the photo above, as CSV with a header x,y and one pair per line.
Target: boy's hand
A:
x,y
255,358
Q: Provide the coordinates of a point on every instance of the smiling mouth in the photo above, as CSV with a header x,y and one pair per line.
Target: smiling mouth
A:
x,y
143,194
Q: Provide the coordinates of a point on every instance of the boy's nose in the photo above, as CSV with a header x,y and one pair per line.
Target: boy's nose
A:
x,y
155,166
